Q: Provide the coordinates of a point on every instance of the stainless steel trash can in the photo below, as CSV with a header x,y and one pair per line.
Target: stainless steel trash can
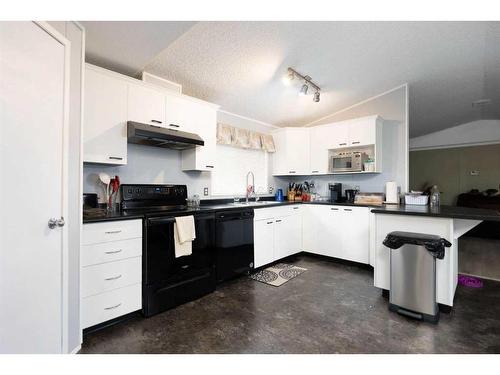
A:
x,y
413,273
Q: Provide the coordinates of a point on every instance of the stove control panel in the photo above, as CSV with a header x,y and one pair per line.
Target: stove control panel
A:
x,y
175,193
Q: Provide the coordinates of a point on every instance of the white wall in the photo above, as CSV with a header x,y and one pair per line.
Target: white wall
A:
x,y
153,165
392,106
475,133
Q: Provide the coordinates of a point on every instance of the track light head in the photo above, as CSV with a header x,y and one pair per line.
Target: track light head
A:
x,y
288,77
303,89
316,97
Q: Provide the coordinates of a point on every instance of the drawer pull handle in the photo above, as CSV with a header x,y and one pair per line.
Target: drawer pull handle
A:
x,y
315,171
291,172
174,125
209,166
270,222
342,144
185,266
278,221
156,121
113,278
113,231
114,158
356,143
334,209
347,209
112,307
295,208
113,251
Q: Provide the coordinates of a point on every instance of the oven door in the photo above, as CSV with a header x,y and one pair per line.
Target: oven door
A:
x,y
169,281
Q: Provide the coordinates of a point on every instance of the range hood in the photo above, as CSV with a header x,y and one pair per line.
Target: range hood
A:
x,y
150,135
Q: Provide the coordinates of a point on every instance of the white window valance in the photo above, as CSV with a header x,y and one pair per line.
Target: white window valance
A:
x,y
237,137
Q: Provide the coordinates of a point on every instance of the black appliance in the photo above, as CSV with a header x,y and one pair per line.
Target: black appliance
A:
x,y
168,281
335,192
234,243
151,135
350,194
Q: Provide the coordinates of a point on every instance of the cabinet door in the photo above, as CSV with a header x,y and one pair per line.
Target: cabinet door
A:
x,y
179,113
319,144
146,105
338,135
292,152
203,121
263,242
332,228
355,234
298,151
287,236
105,119
362,132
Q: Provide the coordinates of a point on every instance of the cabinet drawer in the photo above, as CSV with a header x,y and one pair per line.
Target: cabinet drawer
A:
x,y
271,212
110,305
108,276
111,231
110,251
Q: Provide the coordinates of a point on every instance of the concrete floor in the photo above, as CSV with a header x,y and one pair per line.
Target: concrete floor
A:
x,y
331,308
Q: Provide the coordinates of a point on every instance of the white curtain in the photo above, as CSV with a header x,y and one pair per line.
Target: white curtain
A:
x,y
242,138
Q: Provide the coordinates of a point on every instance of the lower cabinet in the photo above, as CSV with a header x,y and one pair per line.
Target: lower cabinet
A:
x,y
111,270
337,231
277,233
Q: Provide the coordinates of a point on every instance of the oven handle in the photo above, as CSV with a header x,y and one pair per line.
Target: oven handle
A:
x,y
171,219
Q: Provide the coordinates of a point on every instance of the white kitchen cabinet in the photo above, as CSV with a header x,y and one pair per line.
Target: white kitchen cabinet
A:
x,y
319,144
202,119
287,235
263,242
292,152
355,234
146,105
338,135
277,233
111,270
180,113
337,231
105,118
363,131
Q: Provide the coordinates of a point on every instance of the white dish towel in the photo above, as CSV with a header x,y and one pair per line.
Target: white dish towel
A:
x,y
184,234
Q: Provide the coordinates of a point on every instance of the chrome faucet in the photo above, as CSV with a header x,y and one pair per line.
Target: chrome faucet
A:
x,y
250,189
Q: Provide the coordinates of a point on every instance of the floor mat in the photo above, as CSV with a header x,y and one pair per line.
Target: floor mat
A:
x,y
278,274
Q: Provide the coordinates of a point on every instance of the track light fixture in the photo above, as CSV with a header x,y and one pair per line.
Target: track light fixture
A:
x,y
290,76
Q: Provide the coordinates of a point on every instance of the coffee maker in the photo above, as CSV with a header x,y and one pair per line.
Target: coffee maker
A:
x,y
335,192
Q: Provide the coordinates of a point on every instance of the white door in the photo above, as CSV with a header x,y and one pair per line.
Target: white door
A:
x,y
105,119
146,105
356,234
33,115
362,132
297,151
319,142
287,235
263,242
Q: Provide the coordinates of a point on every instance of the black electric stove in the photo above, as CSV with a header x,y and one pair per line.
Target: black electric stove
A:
x,y
167,280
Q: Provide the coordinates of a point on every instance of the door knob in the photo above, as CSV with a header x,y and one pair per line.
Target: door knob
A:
x,y
56,223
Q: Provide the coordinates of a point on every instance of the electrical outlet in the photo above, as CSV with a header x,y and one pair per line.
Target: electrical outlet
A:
x,y
474,173
205,191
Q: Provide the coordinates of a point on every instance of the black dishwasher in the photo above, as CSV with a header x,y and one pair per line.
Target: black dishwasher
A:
x,y
234,243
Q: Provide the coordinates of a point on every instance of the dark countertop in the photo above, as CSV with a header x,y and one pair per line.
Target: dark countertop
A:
x,y
453,212
208,207
442,211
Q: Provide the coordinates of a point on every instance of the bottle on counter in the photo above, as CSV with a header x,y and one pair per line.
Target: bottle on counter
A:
x,y
435,199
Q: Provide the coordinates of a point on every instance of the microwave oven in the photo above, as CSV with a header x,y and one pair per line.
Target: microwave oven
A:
x,y
347,161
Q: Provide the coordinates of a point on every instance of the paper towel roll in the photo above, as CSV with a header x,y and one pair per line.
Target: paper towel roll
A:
x,y
391,192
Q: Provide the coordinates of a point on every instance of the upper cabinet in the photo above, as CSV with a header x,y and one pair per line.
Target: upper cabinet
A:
x,y
105,118
292,152
112,99
305,151
201,118
146,105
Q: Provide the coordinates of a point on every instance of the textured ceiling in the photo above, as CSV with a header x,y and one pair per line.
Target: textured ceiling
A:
x,y
239,65
127,46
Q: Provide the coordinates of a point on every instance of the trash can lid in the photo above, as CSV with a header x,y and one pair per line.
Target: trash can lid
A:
x,y
434,244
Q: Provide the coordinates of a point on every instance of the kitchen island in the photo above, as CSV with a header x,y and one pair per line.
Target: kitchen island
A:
x,y
449,222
